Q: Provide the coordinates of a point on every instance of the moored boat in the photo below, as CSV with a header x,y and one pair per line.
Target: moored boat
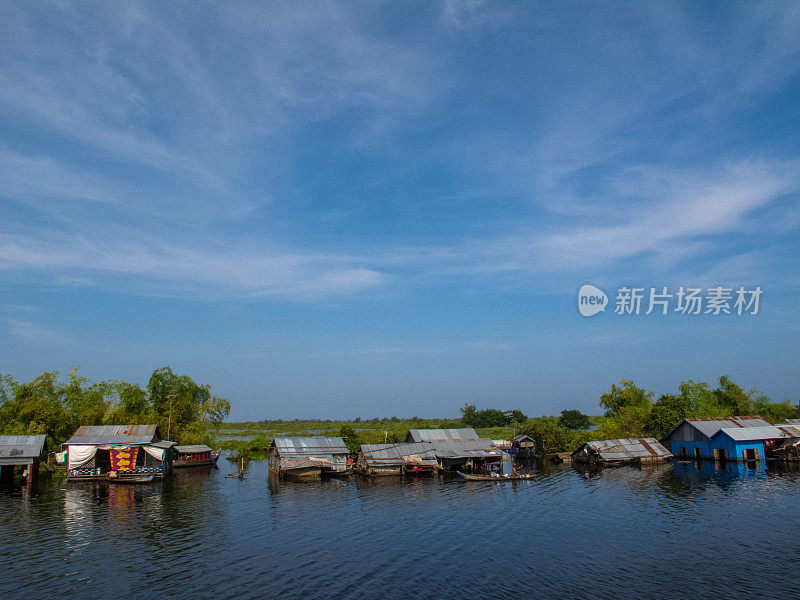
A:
x,y
198,455
473,477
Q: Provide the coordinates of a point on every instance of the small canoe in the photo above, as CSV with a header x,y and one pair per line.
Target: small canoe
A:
x,y
141,479
470,477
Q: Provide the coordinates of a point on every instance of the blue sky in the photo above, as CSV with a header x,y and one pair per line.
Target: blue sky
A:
x,y
374,209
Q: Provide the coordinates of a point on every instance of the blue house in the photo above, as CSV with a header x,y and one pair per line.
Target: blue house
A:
x,y
726,438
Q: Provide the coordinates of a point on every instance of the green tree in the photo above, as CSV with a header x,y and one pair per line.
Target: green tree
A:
x,y
574,419
517,416
700,401
469,415
177,401
350,437
668,411
625,395
732,397
551,437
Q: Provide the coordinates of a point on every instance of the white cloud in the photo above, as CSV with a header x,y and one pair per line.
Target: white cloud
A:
x,y
34,333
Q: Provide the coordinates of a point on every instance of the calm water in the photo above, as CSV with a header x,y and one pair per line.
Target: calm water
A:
x,y
622,533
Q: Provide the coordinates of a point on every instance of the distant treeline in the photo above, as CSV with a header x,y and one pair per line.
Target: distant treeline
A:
x,y
630,411
184,411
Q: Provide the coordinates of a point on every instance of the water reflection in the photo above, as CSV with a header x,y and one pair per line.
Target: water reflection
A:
x,y
560,534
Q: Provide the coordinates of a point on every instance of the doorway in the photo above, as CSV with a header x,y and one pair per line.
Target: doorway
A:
x,y
750,454
698,454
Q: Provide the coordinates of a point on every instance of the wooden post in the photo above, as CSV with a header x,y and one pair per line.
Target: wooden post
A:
x,y
33,477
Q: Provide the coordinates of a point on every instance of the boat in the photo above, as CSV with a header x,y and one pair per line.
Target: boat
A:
x,y
136,479
472,477
195,456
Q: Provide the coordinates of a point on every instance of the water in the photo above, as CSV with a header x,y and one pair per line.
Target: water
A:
x,y
674,531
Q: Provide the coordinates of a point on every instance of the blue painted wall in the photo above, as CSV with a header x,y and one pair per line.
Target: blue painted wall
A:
x,y
734,449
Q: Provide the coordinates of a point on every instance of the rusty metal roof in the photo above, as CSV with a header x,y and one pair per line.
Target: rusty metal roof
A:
x,y
627,448
25,448
399,454
309,446
466,434
792,429
115,434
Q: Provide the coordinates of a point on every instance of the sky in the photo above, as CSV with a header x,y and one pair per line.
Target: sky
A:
x,y
367,209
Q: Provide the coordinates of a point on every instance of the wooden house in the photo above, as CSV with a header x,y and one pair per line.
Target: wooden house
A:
x,y
726,438
460,449
21,451
108,451
522,446
415,458
308,457
621,451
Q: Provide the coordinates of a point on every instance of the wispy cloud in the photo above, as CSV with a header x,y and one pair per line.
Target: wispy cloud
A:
x,y
33,333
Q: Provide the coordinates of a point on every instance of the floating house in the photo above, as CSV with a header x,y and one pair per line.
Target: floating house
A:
x,y
415,458
725,438
621,451
193,456
21,451
97,451
522,446
460,449
308,457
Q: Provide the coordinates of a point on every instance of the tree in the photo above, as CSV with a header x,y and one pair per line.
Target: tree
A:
x,y
550,437
625,395
574,419
732,397
350,437
177,400
469,415
700,401
668,411
517,416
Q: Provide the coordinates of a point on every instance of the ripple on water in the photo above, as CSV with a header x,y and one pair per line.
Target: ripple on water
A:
x,y
610,534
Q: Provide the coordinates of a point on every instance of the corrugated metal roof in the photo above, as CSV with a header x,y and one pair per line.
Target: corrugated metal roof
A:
x,y
710,426
399,454
790,430
790,422
522,438
114,434
163,444
21,447
741,434
480,448
466,434
628,448
192,449
309,446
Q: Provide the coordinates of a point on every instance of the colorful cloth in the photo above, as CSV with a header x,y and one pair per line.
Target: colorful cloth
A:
x,y
123,459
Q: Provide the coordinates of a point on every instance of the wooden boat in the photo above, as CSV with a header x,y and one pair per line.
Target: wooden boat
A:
x,y
195,456
138,479
346,473
471,477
